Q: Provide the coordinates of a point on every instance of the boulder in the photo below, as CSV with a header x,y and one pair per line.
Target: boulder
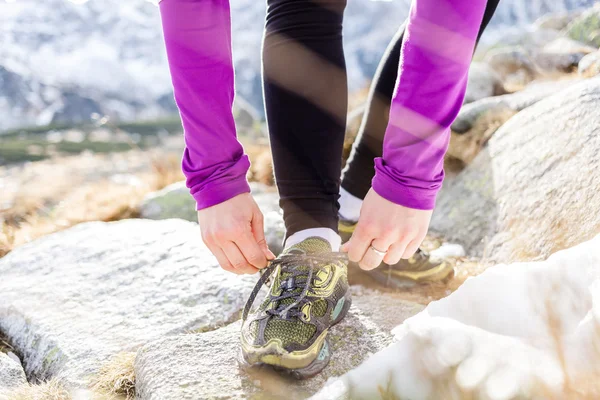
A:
x,y
72,300
11,373
179,367
175,201
589,65
511,62
534,189
567,46
556,21
477,122
585,27
483,82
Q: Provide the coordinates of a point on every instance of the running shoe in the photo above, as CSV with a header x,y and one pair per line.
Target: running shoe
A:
x,y
308,295
420,268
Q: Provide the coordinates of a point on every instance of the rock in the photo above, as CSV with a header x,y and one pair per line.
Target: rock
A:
x,y
556,21
589,65
510,62
11,374
72,300
477,122
565,45
483,82
534,189
480,343
585,27
178,367
175,201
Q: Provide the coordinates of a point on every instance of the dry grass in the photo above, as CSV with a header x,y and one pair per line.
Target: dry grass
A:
x,y
117,377
49,390
40,208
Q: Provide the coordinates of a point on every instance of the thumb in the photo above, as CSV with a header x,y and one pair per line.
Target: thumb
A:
x,y
258,230
344,247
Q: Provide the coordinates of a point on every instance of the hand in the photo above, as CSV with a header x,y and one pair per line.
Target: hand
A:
x,y
388,227
234,233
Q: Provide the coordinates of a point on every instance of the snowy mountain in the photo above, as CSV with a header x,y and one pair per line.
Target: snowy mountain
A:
x,y
62,60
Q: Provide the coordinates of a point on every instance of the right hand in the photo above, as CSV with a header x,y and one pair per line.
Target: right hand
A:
x,y
234,233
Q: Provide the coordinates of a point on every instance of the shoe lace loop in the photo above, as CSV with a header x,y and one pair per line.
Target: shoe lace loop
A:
x,y
290,264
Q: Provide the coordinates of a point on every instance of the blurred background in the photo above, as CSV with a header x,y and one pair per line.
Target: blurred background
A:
x,y
86,101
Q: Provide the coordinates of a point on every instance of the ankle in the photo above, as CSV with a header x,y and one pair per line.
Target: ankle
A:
x,y
349,205
325,233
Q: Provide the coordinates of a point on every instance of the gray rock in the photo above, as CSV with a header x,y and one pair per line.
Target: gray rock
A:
x,y
585,27
511,62
175,201
11,374
566,45
534,189
483,82
477,122
204,366
71,300
556,21
589,65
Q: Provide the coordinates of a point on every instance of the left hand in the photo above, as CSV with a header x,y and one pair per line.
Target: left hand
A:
x,y
388,227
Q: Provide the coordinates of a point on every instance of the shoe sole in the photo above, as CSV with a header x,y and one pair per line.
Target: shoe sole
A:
x,y
313,368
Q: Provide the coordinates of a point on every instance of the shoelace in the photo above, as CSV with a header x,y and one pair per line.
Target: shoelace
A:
x,y
291,262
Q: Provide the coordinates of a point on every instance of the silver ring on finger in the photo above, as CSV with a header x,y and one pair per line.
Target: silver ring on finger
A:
x,y
378,252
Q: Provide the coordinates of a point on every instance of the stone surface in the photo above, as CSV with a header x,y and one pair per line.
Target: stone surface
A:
x,y
71,300
585,27
477,122
534,189
589,65
11,374
483,82
175,201
204,366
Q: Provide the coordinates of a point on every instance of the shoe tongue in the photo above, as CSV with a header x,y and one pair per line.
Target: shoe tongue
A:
x,y
312,245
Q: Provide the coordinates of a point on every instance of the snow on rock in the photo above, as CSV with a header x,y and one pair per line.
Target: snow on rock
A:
x,y
516,331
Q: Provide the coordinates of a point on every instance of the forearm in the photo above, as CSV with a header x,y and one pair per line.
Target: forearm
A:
x,y
198,41
437,50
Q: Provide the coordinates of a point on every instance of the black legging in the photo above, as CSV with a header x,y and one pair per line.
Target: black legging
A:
x,y
306,99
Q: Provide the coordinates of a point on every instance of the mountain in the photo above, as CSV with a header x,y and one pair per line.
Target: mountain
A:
x,y
63,60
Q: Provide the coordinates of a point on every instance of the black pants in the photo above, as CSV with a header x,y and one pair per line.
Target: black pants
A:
x,y
306,99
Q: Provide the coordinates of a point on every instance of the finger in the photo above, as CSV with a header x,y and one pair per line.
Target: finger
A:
x,y
344,248
358,244
395,253
258,231
251,251
411,249
222,259
237,260
372,259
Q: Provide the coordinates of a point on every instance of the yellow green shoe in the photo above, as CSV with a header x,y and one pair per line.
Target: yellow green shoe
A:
x,y
420,268
308,295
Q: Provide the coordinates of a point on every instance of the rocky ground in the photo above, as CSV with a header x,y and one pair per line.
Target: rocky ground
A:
x,y
139,308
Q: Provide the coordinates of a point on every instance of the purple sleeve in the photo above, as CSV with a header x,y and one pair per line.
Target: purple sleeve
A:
x,y
198,41
437,50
